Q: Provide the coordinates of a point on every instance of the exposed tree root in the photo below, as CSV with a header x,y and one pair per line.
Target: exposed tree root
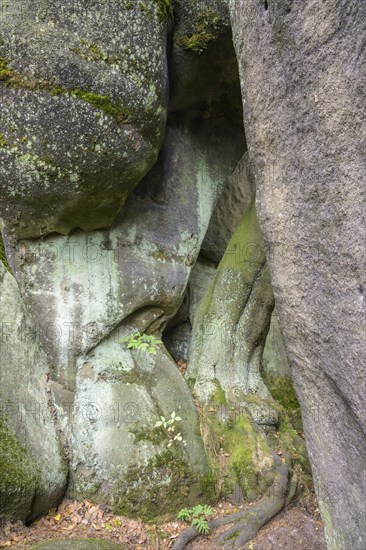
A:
x,y
246,523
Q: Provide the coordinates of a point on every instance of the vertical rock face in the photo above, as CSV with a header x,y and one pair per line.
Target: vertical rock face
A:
x,y
303,78
203,70
33,470
232,322
275,362
238,193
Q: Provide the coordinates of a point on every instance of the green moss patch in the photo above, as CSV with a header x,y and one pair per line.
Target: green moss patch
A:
x,y
239,455
89,51
156,491
6,72
207,28
3,258
3,140
219,396
20,476
102,102
165,10
282,390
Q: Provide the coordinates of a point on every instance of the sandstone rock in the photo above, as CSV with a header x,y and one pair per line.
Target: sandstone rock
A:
x,y
33,471
303,82
202,275
88,290
117,456
80,288
238,193
203,70
231,325
274,360
177,337
83,110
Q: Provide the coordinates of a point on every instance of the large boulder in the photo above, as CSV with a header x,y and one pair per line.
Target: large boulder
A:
x,y
84,92
80,288
88,290
303,79
118,457
33,469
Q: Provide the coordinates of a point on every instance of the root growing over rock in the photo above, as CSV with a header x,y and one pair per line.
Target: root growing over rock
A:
x,y
246,523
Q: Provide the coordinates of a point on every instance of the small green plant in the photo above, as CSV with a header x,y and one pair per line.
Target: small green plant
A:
x,y
198,516
146,342
170,427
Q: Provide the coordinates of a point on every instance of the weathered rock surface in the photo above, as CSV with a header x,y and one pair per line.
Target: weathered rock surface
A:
x,y
274,360
203,70
33,471
88,290
231,325
303,71
177,337
117,455
80,288
83,109
238,193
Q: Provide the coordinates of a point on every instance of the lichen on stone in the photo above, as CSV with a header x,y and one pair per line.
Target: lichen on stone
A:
x,y
14,79
101,102
207,29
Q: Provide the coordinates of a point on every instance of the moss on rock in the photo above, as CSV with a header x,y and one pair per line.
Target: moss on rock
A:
x,y
165,10
6,72
102,102
20,476
207,28
239,454
154,491
3,140
3,258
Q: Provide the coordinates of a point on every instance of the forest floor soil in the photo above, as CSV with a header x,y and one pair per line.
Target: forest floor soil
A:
x,y
297,527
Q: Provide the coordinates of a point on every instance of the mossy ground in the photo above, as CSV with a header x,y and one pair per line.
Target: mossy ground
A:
x,y
241,454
